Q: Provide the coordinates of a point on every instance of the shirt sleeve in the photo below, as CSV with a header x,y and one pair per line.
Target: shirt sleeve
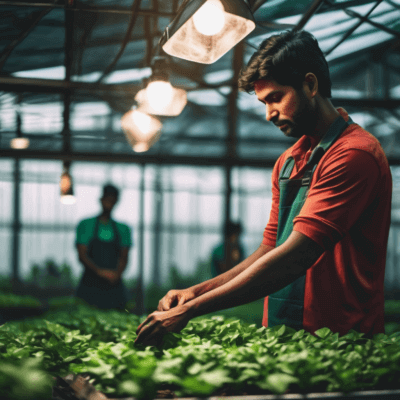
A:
x,y
84,233
346,185
126,235
271,229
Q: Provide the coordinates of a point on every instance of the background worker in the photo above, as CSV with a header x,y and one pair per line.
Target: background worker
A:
x,y
322,259
220,263
103,246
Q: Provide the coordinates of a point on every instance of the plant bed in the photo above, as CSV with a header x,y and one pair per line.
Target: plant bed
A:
x,y
210,357
14,307
78,387
17,313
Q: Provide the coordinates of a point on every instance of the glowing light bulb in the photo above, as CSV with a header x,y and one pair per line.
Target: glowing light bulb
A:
x,y
209,19
19,143
68,199
141,147
159,94
142,121
141,129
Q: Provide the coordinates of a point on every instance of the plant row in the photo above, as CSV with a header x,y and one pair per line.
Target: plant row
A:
x,y
210,356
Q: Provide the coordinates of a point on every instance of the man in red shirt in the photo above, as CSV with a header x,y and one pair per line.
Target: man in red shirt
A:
x,y
322,260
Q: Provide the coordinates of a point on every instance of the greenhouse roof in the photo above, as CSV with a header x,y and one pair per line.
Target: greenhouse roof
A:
x,y
96,54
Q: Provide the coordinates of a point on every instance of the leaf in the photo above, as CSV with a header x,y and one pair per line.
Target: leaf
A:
x,y
299,334
130,387
323,333
197,387
279,383
216,378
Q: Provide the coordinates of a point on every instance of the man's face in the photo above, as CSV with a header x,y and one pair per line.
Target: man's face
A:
x,y
287,108
108,202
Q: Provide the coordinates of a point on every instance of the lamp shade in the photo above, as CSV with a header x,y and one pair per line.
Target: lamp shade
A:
x,y
207,29
19,143
156,99
66,189
141,130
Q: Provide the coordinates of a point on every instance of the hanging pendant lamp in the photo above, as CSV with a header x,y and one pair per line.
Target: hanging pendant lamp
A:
x,y
66,187
141,130
207,29
160,97
19,142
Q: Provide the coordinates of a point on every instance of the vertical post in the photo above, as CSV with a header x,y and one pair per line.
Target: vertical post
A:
x,y
231,142
156,278
16,225
140,249
69,49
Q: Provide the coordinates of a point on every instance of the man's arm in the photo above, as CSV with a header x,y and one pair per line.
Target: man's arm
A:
x,y
220,280
85,259
268,274
178,297
122,261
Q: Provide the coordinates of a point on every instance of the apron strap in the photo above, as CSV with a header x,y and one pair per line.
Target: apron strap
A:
x,y
287,169
334,131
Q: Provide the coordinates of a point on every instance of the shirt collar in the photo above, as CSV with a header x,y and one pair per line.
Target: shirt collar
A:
x,y
308,143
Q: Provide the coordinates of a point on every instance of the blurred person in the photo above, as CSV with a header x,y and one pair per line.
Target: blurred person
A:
x,y
103,245
321,262
220,263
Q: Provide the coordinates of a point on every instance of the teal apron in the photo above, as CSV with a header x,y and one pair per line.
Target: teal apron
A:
x,y
94,289
285,307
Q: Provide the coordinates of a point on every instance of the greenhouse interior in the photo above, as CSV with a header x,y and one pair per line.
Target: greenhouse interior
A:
x,y
185,164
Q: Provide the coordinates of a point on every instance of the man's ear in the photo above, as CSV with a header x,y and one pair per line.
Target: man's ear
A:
x,y
311,84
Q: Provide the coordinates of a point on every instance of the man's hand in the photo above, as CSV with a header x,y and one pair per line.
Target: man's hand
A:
x,y
111,276
157,324
175,298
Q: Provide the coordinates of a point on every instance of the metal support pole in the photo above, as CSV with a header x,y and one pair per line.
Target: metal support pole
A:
x,y
156,278
16,225
140,310
231,144
69,42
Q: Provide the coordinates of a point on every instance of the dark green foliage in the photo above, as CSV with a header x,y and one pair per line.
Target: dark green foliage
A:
x,y
211,355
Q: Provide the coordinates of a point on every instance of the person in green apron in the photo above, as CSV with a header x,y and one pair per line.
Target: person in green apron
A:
x,y
322,259
103,246
219,263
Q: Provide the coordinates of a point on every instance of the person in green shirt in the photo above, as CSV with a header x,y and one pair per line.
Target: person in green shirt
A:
x,y
103,245
220,263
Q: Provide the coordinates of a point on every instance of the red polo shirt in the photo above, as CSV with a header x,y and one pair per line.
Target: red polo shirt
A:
x,y
347,212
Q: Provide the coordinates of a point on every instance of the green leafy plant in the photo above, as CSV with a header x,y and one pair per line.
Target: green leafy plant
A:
x,y
209,357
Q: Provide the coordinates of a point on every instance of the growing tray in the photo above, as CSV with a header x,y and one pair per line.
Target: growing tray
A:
x,y
77,387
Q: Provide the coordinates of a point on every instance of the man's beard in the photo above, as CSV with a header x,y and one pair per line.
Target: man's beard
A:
x,y
304,120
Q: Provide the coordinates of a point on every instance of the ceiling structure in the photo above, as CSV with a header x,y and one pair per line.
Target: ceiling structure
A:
x,y
70,69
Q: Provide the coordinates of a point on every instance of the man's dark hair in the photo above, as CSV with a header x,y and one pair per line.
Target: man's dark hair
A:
x,y
110,190
233,228
287,58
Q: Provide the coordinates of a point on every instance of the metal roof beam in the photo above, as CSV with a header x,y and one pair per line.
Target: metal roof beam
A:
x,y
134,158
78,8
11,84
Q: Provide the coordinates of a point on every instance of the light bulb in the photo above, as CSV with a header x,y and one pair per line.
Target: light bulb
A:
x,y
141,147
209,19
19,143
67,199
142,121
159,94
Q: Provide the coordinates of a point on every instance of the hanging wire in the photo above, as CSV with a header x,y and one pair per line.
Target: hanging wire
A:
x,y
384,28
351,30
132,22
393,4
37,16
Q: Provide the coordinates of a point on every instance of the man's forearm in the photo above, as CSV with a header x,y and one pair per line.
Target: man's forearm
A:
x,y
89,263
121,266
222,279
268,274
